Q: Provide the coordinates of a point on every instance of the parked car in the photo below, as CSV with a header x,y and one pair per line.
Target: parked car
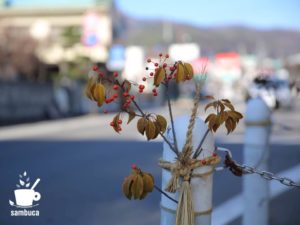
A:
x,y
275,92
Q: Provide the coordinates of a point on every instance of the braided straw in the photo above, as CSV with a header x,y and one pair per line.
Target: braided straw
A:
x,y
187,149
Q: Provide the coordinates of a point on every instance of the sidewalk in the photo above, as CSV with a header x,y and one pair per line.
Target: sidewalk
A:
x,y
96,127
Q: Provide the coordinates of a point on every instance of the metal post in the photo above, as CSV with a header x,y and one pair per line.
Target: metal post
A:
x,y
256,153
201,187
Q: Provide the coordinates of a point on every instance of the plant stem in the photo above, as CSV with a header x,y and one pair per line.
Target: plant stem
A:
x,y
169,143
138,107
161,134
199,148
165,194
171,117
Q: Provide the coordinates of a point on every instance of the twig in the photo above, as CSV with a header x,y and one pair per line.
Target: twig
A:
x,y
137,106
165,194
169,143
161,134
199,149
171,117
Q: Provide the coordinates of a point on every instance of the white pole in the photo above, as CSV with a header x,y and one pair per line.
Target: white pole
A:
x,y
201,187
256,153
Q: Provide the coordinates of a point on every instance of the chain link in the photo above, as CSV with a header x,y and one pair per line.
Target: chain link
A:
x,y
268,175
251,170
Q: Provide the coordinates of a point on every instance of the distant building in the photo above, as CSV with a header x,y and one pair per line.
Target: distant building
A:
x,y
92,22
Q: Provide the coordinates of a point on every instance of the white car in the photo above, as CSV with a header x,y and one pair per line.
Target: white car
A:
x,y
275,92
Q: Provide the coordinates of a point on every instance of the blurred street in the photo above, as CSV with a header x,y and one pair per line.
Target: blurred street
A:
x,y
73,72
286,126
82,163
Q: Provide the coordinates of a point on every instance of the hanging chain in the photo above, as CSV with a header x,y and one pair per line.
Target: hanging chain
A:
x,y
239,170
268,175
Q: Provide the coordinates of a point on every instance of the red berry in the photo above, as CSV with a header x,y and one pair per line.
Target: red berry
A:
x,y
151,74
107,101
119,129
133,166
172,68
170,77
154,90
203,162
148,60
165,65
120,121
95,68
155,94
115,87
160,54
101,74
132,97
167,56
115,96
141,86
112,124
116,74
125,94
156,64
128,101
144,78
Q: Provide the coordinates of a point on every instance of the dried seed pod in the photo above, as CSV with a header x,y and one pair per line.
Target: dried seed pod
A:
x,y
141,125
89,88
116,124
99,94
131,116
148,182
161,122
159,76
189,72
137,187
150,130
138,184
180,72
126,186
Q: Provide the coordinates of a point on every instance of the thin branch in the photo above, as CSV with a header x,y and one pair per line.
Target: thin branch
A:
x,y
199,149
126,111
161,134
137,106
165,194
169,143
171,117
174,149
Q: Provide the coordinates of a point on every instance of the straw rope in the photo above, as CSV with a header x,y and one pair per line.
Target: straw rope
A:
x,y
183,168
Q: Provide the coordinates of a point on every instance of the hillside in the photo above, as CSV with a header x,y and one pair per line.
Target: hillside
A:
x,y
275,43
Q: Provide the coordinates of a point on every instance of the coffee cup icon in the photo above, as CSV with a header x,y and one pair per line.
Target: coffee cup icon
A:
x,y
25,197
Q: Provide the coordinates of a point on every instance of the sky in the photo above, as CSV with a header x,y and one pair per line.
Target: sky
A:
x,y
265,14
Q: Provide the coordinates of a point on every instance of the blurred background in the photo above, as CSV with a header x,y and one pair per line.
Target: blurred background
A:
x,y
48,127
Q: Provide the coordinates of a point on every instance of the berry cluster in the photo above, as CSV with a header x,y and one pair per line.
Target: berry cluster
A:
x,y
162,72
105,89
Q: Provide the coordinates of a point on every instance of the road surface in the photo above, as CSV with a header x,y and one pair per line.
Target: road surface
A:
x,y
81,163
